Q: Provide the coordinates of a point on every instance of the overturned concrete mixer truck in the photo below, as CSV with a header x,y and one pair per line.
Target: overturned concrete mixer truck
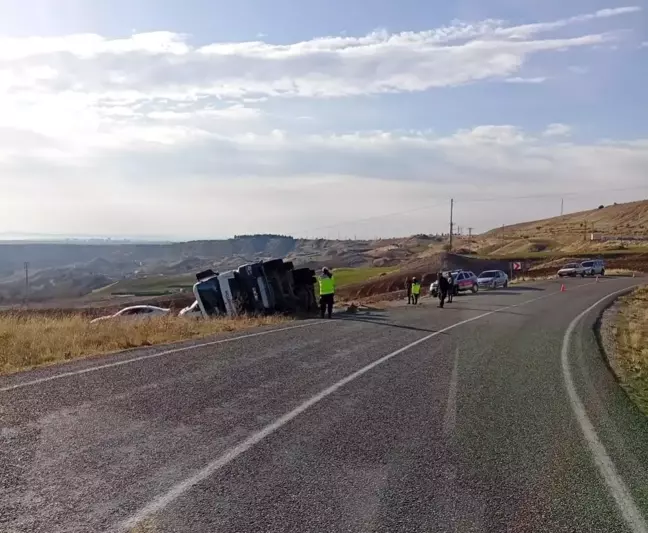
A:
x,y
265,287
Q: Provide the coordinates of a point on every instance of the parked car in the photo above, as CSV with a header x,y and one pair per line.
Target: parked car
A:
x,y
135,312
492,279
571,269
464,280
594,267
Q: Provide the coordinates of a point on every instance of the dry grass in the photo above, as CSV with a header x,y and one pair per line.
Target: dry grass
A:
x,y
620,272
632,345
28,341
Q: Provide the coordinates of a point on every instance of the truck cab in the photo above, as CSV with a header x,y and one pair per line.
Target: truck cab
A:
x,y
207,292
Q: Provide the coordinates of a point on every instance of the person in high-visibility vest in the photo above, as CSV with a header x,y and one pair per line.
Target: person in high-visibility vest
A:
x,y
416,290
327,292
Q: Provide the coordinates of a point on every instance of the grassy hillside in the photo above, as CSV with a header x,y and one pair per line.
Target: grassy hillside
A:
x,y
149,286
614,220
617,227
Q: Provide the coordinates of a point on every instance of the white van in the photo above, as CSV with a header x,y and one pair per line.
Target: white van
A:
x,y
593,267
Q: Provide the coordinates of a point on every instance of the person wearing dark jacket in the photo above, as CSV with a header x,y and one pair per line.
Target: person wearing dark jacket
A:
x,y
408,286
443,288
451,287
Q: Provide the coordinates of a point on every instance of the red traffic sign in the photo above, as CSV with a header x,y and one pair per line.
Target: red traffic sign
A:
x,y
517,265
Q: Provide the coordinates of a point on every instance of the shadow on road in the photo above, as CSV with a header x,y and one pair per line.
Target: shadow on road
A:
x,y
505,292
524,288
380,321
455,308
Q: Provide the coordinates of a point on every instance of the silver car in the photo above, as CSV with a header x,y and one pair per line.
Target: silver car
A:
x,y
593,267
492,279
571,269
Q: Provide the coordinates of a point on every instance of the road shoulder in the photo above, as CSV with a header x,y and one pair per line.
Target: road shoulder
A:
x,y
623,335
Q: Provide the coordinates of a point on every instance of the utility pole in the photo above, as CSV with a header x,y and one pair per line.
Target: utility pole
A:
x,y
26,282
470,233
562,204
451,223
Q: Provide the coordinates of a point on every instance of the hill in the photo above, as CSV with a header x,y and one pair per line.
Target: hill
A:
x,y
72,270
613,227
92,272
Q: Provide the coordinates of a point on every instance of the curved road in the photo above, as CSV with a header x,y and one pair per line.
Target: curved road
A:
x,y
494,414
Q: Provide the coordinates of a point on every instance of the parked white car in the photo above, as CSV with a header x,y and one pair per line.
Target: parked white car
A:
x,y
135,312
571,269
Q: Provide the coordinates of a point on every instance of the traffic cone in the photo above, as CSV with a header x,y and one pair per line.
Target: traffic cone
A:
x,y
562,288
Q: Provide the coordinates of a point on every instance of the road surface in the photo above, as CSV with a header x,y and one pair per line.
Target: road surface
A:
x,y
494,414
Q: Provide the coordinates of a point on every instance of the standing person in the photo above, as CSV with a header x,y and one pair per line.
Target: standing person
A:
x,y
408,286
416,290
451,287
443,288
327,292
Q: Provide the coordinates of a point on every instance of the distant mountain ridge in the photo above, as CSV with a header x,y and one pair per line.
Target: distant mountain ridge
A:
x,y
58,254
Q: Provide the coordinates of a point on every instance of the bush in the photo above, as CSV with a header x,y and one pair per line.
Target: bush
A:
x,y
601,206
447,247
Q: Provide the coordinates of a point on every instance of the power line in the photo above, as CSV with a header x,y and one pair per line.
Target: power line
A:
x,y
561,195
375,217
552,195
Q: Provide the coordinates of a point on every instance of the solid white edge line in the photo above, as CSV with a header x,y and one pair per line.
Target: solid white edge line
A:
x,y
166,498
54,377
615,484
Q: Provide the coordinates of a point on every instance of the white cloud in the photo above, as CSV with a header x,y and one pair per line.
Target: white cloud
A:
x,y
221,184
557,130
527,30
525,80
166,65
644,44
578,69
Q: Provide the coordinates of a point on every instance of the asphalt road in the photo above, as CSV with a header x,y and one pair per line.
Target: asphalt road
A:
x,y
484,416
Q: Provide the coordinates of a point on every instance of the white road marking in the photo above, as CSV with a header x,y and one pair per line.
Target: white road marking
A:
x,y
166,498
33,382
615,483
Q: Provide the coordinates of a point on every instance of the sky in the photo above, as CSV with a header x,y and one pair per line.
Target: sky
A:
x,y
355,118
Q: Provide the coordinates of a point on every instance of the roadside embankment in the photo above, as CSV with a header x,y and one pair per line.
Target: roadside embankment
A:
x,y
28,341
624,334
